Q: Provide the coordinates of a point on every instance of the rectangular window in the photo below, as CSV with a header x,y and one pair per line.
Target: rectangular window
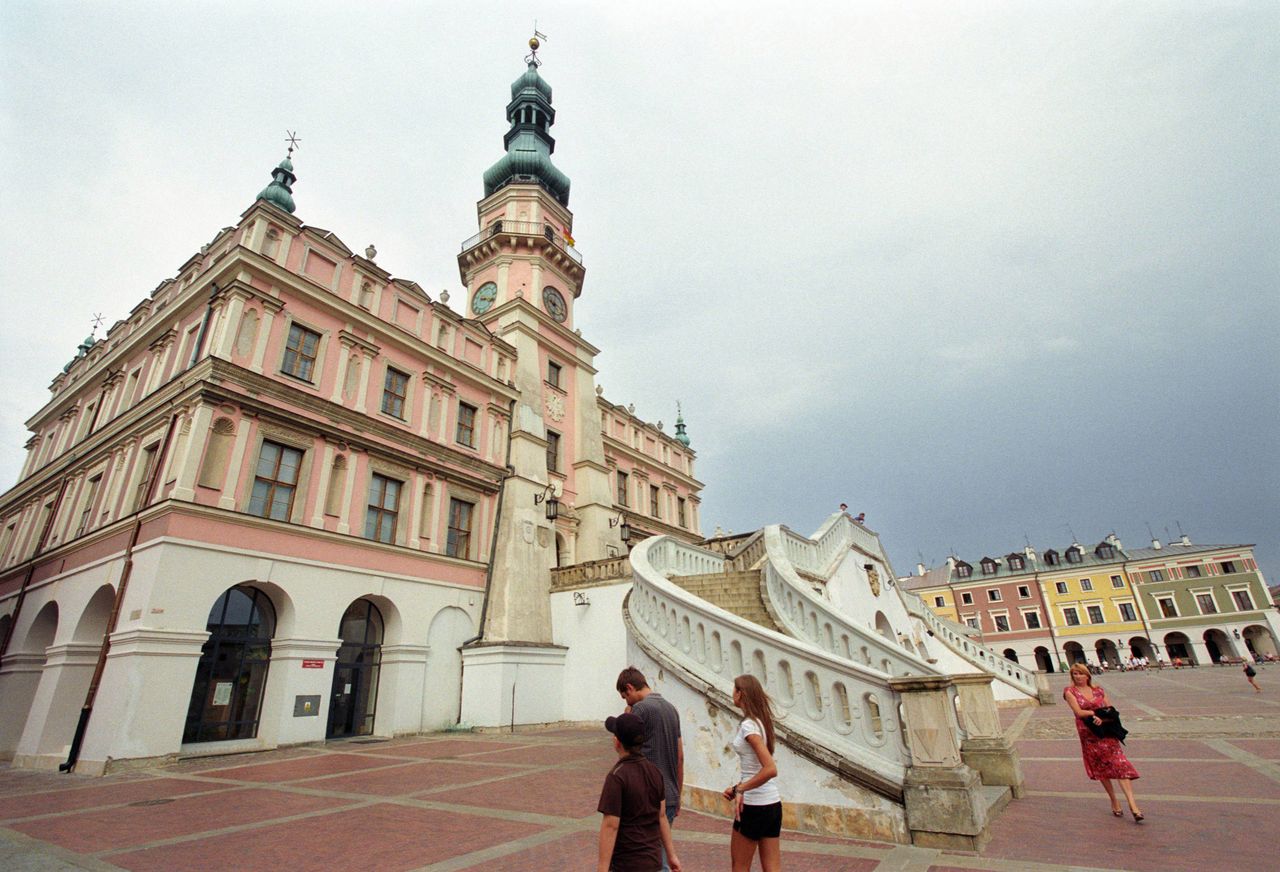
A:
x,y
1002,623
939,602
144,480
553,451
653,501
1095,614
1192,571
1228,567
553,373
300,353
384,509
91,497
1117,581
1126,612
680,512
972,622
275,481
395,390
1086,584
466,434
1156,575
1243,601
1061,587
966,599
1206,603
993,596
622,488
1073,619
1167,608
1032,620
1024,592
458,542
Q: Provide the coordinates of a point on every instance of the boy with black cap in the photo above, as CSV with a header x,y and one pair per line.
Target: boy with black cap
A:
x,y
634,830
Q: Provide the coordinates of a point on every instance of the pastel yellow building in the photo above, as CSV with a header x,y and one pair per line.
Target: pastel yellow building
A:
x,y
1092,608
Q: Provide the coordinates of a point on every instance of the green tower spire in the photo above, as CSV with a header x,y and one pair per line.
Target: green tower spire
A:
x,y
280,191
528,143
681,436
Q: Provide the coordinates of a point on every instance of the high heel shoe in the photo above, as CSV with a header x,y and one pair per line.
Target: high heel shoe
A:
x,y
1117,812
1138,817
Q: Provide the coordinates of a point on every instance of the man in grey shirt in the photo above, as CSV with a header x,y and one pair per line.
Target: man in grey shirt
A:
x,y
662,743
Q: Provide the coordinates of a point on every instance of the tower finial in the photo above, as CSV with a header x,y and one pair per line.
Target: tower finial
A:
x,y
534,44
280,191
681,436
292,140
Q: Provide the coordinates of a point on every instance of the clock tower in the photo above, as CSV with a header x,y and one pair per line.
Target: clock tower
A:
x,y
523,276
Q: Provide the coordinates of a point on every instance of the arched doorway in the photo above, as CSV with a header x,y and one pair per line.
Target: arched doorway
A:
x,y
226,698
1178,646
23,666
563,557
1219,645
1259,641
441,704
1074,652
1043,661
353,700
1140,646
68,671
884,628
1010,654
1107,653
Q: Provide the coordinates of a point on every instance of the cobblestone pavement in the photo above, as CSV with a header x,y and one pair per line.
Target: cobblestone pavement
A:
x,y
1207,746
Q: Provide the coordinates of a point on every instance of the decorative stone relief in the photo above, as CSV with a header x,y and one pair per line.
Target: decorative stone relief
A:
x,y
248,334
873,579
349,379
555,407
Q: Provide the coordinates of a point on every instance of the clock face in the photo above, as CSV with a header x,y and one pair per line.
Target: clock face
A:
x,y
484,297
554,304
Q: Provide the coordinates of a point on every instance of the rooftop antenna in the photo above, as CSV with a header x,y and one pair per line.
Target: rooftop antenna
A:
x,y
535,43
1181,535
1150,532
1026,538
292,140
1167,537
97,322
1074,540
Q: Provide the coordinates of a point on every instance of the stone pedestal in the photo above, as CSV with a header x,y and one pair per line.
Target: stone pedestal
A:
x,y
1044,695
507,683
55,708
983,746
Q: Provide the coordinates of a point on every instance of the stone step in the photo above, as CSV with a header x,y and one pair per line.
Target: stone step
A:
x,y
737,592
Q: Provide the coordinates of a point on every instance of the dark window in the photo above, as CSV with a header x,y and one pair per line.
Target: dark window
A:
x,y
1228,567
1061,586
653,501
466,434
1032,620
553,451
972,622
963,570
232,673
553,373
1074,555
994,595
622,488
966,599
355,674
1243,601
1017,562
1086,584
939,602
1051,557
1206,603
300,353
458,543
1191,571
1156,575
988,567
1095,614
1126,612
1073,619
680,510
395,389
275,481
1024,592
1117,581
91,497
1167,608
144,480
384,509
1002,623
1105,552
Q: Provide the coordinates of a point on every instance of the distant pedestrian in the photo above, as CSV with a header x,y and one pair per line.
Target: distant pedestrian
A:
x,y
1104,760
757,804
663,746
1250,674
633,829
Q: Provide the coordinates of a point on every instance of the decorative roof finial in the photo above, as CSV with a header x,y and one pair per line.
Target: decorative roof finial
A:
x,y
280,191
97,322
534,44
293,140
681,436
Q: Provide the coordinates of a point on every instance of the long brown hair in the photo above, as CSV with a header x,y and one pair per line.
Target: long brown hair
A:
x,y
755,704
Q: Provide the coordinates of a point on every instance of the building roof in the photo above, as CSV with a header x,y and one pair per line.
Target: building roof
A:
x,y
529,143
1176,550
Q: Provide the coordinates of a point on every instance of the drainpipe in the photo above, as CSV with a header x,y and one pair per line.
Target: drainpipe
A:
x,y
509,471
1048,617
31,565
127,569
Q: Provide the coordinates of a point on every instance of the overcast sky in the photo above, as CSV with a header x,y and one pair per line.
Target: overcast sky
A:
x,y
984,271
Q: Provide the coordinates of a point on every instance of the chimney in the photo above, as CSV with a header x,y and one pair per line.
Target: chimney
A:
x,y
1186,540
1114,540
1031,554
951,563
919,569
1155,543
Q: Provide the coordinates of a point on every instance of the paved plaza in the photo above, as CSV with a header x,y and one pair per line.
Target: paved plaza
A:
x,y
1207,746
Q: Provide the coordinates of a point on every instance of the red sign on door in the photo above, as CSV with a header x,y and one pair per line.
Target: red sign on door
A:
x,y
313,664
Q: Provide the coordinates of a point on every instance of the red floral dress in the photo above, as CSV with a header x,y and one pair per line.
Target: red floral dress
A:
x,y
1103,758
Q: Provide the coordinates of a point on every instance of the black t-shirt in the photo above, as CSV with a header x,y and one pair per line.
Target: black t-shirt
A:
x,y
633,792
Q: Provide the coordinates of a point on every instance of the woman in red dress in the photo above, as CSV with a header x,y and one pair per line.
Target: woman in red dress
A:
x,y
1104,760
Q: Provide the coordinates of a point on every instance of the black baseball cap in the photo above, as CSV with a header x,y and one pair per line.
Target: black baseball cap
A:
x,y
627,727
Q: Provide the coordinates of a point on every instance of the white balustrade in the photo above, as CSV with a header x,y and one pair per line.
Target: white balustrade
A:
x,y
833,701
979,655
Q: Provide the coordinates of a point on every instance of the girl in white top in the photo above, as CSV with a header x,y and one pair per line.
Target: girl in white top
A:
x,y
757,805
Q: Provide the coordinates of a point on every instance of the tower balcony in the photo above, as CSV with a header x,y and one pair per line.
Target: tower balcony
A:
x,y
514,232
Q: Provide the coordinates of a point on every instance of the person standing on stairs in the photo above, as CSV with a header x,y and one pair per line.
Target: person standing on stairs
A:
x,y
663,745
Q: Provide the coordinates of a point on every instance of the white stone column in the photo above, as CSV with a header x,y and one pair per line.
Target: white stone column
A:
x,y
438,520
230,326
269,309
415,508
295,702
19,678
235,465
55,708
192,451
402,680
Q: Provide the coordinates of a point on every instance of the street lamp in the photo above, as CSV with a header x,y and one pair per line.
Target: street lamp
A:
x,y
548,496
625,532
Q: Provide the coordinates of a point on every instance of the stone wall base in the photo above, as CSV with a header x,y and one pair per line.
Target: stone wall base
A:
x,y
996,761
946,807
820,820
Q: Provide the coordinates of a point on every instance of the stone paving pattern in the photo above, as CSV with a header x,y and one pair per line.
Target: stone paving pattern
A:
x,y
1207,746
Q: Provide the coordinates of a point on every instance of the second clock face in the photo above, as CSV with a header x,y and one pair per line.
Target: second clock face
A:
x,y
484,297
554,304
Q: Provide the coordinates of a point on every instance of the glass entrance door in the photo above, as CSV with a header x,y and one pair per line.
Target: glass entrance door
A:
x,y
353,700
